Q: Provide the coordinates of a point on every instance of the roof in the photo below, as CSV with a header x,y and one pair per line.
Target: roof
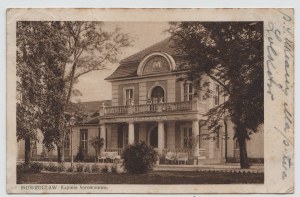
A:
x,y
92,110
92,106
128,66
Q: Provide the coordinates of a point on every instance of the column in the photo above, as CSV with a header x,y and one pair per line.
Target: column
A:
x,y
171,135
195,134
103,135
161,137
130,133
222,139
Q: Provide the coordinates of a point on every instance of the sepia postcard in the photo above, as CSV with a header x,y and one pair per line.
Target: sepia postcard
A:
x,y
150,101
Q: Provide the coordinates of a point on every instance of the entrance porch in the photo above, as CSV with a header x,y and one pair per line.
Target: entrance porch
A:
x,y
180,138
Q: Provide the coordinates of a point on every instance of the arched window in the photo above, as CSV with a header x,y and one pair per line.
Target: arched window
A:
x,y
157,95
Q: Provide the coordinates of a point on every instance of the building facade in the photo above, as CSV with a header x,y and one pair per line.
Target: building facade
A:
x,y
150,104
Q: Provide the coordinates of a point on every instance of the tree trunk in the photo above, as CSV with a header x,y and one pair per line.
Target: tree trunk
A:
x,y
27,151
58,154
226,136
243,153
97,154
62,150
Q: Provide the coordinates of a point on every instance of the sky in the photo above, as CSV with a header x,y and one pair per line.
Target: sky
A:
x,y
144,34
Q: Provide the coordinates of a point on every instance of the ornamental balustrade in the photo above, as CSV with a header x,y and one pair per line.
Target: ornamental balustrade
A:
x,y
193,105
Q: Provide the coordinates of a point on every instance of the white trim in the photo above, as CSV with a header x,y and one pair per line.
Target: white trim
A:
x,y
146,76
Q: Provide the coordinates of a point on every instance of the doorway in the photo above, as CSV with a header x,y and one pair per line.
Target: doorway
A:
x,y
153,137
157,94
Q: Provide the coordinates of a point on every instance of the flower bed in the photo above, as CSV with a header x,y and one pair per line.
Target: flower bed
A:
x,y
37,167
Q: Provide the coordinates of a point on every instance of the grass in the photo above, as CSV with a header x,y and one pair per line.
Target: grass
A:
x,y
157,177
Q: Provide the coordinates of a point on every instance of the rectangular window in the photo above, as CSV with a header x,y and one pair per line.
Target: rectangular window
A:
x,y
236,144
125,137
218,139
67,141
33,148
217,95
188,92
128,96
120,136
84,138
187,137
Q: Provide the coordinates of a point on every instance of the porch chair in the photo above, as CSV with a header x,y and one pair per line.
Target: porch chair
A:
x,y
170,157
113,156
182,157
103,156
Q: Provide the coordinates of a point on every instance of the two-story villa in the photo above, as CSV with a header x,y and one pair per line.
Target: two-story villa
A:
x,y
149,104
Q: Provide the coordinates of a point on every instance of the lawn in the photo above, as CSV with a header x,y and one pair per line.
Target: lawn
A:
x,y
157,177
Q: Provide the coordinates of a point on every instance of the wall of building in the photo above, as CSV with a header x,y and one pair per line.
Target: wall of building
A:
x,y
143,86
255,145
39,147
173,139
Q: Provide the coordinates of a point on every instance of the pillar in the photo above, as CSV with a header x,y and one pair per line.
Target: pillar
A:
x,y
161,137
195,134
211,148
103,135
222,139
130,133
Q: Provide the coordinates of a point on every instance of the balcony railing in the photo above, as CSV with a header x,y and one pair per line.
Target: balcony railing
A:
x,y
193,105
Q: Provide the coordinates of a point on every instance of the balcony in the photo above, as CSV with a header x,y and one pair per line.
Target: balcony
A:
x,y
194,105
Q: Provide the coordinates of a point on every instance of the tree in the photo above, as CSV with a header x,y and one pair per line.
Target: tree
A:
x,y
67,51
30,60
91,48
231,54
97,143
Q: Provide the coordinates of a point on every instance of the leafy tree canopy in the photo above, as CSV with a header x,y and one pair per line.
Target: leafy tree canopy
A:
x,y
231,54
51,56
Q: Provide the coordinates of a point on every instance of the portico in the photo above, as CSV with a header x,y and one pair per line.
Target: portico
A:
x,y
174,130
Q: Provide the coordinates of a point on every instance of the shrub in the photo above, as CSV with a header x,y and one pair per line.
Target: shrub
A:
x,y
61,168
52,167
22,168
87,169
36,167
46,167
79,168
139,158
114,169
79,156
95,168
70,169
105,169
